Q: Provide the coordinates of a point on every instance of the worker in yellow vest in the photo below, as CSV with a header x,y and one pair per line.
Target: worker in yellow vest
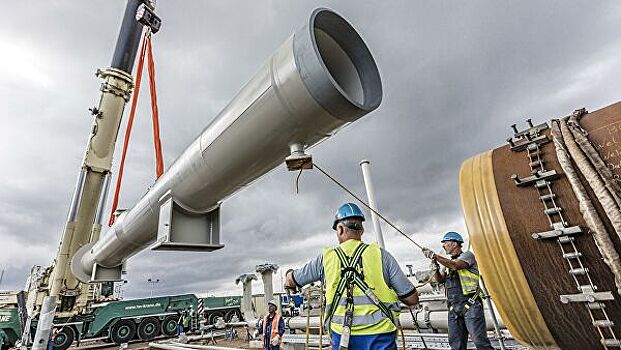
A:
x,y
272,328
463,294
364,286
291,305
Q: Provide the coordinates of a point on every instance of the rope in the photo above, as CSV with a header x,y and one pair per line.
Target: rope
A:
x,y
146,48
366,205
432,274
417,327
297,182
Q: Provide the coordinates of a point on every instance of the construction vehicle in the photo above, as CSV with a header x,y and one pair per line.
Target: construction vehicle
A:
x,y
12,317
320,80
119,321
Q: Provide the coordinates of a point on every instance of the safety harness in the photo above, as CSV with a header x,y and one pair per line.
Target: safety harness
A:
x,y
473,298
352,275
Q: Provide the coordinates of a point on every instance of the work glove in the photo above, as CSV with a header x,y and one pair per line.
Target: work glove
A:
x,y
275,340
434,265
428,253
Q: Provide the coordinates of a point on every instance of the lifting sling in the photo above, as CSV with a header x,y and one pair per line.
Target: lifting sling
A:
x,y
147,49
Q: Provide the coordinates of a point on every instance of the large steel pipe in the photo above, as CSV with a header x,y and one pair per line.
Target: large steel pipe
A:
x,y
541,284
320,79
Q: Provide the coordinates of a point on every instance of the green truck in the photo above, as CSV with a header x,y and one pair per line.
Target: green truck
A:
x,y
12,317
122,321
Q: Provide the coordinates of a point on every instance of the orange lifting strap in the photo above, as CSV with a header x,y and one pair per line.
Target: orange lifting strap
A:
x,y
159,162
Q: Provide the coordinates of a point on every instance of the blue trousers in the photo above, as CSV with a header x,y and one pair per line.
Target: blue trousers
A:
x,y
384,341
472,322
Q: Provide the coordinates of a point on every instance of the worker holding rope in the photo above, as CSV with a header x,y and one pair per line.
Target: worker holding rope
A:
x,y
364,285
463,294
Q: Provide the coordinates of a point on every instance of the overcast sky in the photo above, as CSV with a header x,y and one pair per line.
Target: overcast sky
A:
x,y
455,76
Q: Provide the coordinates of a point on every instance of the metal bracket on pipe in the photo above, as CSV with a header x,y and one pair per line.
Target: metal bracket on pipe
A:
x,y
106,274
180,229
517,146
587,297
537,176
522,139
298,160
565,231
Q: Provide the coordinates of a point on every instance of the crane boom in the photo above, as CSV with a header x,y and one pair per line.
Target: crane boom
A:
x,y
65,292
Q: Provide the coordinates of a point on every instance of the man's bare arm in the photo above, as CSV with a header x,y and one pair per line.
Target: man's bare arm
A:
x,y
289,281
410,300
451,264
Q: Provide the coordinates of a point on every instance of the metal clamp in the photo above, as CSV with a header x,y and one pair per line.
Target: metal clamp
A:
x,y
532,135
565,231
517,146
587,297
537,176
531,130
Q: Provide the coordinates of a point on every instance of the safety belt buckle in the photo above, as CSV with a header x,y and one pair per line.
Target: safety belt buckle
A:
x,y
349,318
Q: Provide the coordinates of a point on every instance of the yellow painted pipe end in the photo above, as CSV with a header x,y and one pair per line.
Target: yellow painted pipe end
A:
x,y
496,256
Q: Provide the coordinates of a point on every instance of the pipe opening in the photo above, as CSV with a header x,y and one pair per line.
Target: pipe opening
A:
x,y
347,59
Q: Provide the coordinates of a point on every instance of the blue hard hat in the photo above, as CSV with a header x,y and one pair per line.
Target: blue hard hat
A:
x,y
452,236
346,211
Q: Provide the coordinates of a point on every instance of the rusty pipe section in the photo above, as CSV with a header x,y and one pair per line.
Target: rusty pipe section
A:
x,y
320,79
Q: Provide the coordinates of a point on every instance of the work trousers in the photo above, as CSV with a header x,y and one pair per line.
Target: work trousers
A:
x,y
472,322
384,341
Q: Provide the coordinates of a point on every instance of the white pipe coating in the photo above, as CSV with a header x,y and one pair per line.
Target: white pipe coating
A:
x,y
322,78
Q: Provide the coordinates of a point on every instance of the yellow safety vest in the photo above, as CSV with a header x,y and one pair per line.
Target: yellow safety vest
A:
x,y
469,281
368,318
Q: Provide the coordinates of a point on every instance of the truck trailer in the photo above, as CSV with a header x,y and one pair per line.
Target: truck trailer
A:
x,y
119,321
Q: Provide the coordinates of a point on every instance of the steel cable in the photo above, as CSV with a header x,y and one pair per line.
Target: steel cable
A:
x,y
365,204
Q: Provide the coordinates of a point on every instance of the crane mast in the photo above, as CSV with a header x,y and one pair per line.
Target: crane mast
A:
x,y
66,294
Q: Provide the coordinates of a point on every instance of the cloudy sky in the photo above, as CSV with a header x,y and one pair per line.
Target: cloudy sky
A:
x,y
455,76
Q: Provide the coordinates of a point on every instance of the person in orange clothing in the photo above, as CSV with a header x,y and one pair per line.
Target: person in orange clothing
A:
x,y
272,328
